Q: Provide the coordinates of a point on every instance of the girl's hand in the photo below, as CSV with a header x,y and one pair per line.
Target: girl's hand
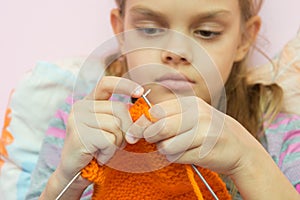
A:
x,y
96,126
190,131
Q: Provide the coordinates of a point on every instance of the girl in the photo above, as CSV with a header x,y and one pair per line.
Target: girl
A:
x,y
182,96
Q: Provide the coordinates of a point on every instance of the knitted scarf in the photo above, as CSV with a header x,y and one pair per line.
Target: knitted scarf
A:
x,y
149,177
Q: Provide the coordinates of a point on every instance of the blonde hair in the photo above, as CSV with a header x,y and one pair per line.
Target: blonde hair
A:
x,y
254,105
250,104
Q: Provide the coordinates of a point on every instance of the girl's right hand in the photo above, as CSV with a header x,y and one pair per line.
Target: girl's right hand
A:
x,y
96,127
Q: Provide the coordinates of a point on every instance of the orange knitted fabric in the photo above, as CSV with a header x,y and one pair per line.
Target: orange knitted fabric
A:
x,y
137,175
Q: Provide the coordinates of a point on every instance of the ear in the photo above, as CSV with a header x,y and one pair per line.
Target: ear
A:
x,y
116,21
250,33
117,24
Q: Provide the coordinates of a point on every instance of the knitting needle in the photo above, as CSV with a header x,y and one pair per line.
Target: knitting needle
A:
x,y
67,186
77,175
204,181
144,96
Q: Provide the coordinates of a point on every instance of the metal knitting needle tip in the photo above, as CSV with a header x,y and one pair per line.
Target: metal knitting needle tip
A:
x,y
148,91
205,183
144,96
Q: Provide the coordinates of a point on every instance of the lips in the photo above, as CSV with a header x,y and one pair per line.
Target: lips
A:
x,y
176,82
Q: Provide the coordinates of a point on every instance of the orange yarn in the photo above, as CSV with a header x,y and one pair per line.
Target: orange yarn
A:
x,y
139,108
151,176
193,182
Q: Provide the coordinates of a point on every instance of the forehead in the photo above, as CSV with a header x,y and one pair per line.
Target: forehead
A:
x,y
182,8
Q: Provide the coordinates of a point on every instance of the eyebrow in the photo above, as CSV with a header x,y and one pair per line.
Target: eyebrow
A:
x,y
147,12
159,15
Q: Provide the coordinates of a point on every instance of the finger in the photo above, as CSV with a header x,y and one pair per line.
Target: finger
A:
x,y
135,131
171,126
205,135
96,141
107,123
199,149
193,156
109,85
118,109
86,110
104,155
181,143
173,107
188,157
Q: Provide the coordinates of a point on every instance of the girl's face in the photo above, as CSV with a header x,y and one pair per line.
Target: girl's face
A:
x,y
213,24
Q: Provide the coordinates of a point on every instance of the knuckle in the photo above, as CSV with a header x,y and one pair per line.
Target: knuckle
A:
x,y
79,106
102,82
117,107
116,124
165,132
163,129
165,148
110,140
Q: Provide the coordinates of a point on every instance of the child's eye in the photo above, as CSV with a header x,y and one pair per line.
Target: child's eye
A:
x,y
151,31
205,34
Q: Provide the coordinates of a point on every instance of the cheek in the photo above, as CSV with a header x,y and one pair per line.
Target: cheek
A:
x,y
224,51
224,58
225,66
141,58
143,66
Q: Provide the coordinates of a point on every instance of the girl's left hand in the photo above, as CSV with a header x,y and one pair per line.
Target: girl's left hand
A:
x,y
189,131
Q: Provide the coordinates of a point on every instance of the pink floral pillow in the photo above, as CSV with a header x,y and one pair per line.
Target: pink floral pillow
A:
x,y
285,71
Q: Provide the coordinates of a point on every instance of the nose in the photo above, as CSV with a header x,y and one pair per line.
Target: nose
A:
x,y
174,58
177,51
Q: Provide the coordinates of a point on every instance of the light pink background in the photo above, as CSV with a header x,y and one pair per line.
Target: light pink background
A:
x,y
34,30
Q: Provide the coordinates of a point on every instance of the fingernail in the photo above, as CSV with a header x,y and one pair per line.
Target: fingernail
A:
x,y
171,158
130,139
138,91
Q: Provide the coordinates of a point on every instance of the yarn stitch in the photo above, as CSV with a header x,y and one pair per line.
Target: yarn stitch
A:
x,y
172,181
